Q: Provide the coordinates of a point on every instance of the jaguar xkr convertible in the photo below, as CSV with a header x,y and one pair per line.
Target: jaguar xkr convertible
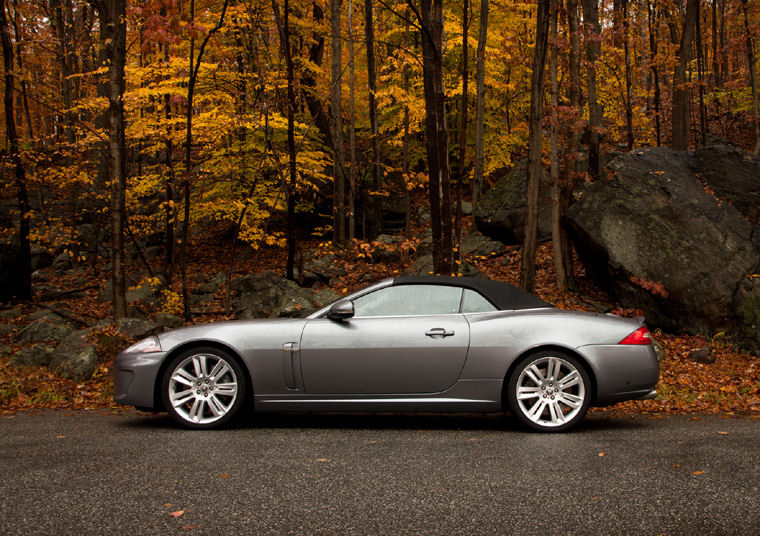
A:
x,y
429,344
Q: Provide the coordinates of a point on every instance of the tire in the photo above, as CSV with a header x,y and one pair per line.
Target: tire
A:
x,y
549,391
203,388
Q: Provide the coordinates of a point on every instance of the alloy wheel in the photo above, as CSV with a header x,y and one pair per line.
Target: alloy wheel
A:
x,y
203,388
550,392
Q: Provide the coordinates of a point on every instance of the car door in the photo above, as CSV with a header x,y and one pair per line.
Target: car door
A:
x,y
402,340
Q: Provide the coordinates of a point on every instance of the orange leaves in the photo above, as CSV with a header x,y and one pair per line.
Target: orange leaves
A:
x,y
654,288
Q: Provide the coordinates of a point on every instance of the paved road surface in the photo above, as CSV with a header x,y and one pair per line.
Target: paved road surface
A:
x,y
105,473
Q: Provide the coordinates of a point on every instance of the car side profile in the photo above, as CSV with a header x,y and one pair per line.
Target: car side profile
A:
x,y
412,343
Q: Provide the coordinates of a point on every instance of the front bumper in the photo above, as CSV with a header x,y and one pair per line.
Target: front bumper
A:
x,y
135,378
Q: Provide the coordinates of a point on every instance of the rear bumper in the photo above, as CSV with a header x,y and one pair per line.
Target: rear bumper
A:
x,y
135,378
622,372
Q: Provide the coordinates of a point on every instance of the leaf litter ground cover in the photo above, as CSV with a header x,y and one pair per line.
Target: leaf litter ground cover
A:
x,y
730,385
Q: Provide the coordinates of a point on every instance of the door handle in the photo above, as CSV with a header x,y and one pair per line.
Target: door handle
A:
x,y
439,332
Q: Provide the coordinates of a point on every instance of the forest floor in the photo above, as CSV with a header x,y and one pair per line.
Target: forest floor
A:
x,y
730,385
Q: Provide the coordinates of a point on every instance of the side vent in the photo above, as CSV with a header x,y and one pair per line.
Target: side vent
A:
x,y
289,350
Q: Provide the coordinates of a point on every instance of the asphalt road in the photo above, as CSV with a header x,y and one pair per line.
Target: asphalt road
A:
x,y
104,473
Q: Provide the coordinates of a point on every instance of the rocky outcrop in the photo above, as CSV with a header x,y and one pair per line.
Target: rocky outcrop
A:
x,y
268,295
137,328
36,355
501,211
661,239
75,357
323,266
734,175
45,326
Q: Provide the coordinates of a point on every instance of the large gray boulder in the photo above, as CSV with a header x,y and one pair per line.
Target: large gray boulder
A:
x,y
658,238
138,328
75,357
734,175
46,326
6,329
36,355
78,355
501,211
269,295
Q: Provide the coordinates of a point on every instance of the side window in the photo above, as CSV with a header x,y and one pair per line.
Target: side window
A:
x,y
473,302
409,300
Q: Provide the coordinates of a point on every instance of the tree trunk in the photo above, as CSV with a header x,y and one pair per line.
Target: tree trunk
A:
x,y
336,86
722,40
284,30
680,91
113,34
556,186
430,17
405,147
574,93
194,65
373,199
628,83
169,212
308,76
652,22
23,269
20,64
715,65
570,173
593,52
480,107
528,265
62,29
117,32
700,82
351,128
461,161
752,76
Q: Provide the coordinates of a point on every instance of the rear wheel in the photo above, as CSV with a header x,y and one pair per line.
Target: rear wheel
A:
x,y
549,391
203,388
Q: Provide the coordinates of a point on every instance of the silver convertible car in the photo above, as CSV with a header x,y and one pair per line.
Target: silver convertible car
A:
x,y
413,343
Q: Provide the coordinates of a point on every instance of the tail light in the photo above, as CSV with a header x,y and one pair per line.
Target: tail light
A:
x,y
640,336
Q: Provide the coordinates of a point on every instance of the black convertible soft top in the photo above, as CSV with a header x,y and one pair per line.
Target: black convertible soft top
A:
x,y
502,295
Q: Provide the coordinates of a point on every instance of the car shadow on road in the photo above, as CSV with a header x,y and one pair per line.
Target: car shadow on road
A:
x,y
503,422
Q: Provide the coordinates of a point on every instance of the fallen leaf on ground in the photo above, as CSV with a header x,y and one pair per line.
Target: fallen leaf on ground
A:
x,y
178,513
602,453
322,460
697,472
60,436
190,527
224,475
723,433
676,465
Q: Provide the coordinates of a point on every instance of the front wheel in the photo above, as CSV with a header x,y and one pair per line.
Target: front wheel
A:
x,y
549,391
203,388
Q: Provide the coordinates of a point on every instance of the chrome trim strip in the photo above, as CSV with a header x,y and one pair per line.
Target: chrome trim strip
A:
x,y
376,400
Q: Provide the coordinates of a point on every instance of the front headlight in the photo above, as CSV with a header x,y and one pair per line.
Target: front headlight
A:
x,y
145,346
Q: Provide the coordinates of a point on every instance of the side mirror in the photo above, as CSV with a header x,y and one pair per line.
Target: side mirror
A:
x,y
341,309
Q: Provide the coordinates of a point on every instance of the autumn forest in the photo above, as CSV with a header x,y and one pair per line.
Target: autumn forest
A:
x,y
285,120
